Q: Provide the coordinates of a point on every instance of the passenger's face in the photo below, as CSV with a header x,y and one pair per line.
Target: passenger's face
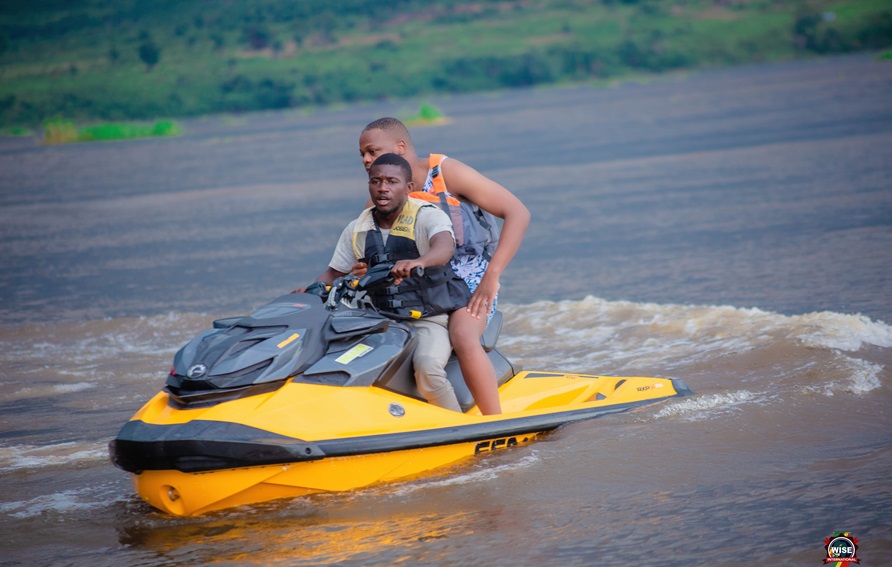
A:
x,y
388,188
373,143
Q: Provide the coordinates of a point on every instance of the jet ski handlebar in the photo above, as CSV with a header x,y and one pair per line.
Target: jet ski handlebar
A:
x,y
376,277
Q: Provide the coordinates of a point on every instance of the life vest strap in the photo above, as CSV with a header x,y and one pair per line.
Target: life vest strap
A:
x,y
387,257
397,303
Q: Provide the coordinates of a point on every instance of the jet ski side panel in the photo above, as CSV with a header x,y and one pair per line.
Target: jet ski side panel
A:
x,y
190,494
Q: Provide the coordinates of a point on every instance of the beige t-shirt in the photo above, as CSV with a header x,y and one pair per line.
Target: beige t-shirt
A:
x,y
428,222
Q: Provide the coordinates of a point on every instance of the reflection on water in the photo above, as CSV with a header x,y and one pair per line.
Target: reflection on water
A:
x,y
292,538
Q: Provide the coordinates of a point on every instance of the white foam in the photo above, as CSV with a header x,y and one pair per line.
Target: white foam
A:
x,y
708,406
84,342
64,502
865,376
606,337
858,377
48,390
843,332
482,474
60,454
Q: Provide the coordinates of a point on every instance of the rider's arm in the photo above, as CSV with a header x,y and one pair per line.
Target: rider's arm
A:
x,y
442,248
330,275
342,260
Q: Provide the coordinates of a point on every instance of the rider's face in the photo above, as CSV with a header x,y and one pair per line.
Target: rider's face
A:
x,y
373,143
388,188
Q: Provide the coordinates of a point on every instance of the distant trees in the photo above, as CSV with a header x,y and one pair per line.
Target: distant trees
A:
x,y
149,53
273,54
257,37
818,31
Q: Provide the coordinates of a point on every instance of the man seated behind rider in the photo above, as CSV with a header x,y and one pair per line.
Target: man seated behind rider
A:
x,y
411,233
481,256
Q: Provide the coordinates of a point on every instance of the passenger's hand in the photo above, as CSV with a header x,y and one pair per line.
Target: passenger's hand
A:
x,y
359,269
482,300
299,290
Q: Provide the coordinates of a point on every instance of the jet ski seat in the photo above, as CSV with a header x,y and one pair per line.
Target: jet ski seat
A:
x,y
404,382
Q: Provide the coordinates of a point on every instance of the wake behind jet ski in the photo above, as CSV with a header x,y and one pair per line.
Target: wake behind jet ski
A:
x,y
315,392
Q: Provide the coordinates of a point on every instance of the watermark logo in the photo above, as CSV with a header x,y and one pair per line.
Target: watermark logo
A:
x,y
841,548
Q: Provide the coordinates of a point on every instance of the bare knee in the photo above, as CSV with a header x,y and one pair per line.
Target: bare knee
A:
x,y
465,343
465,333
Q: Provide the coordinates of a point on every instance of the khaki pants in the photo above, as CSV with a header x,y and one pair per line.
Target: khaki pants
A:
x,y
431,354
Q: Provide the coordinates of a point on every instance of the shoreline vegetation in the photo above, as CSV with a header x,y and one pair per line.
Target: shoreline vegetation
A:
x,y
60,131
94,62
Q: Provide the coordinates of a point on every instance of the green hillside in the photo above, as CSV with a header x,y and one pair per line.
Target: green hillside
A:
x,y
92,60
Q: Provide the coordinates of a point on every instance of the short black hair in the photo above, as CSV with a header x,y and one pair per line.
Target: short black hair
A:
x,y
393,126
397,160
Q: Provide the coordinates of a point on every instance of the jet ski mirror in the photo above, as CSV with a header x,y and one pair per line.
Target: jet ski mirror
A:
x,y
319,288
338,290
345,286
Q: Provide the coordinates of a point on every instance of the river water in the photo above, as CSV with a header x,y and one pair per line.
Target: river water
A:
x,y
731,228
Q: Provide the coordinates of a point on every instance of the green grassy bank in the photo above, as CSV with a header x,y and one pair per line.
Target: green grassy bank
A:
x,y
117,60
60,131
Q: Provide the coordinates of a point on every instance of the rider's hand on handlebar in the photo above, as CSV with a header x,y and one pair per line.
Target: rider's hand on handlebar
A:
x,y
359,269
404,269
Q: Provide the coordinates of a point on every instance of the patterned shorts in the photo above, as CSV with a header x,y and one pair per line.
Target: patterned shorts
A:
x,y
470,269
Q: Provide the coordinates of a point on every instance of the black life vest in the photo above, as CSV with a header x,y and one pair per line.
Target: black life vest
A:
x,y
439,290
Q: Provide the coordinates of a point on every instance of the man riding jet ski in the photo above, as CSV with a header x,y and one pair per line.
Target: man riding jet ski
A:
x,y
411,235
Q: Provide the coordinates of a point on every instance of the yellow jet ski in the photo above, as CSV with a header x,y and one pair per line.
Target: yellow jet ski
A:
x,y
313,392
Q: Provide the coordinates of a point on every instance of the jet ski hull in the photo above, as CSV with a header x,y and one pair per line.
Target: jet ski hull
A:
x,y
306,438
189,494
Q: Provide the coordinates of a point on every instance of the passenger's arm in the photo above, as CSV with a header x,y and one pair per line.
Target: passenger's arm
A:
x,y
466,182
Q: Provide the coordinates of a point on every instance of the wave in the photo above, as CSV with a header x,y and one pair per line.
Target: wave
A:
x,y
857,376
62,502
61,359
605,330
708,406
15,457
734,344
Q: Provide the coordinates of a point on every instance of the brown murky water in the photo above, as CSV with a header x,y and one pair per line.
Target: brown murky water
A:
x,y
733,229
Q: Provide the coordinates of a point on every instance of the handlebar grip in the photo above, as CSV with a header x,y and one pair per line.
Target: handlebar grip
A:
x,y
417,271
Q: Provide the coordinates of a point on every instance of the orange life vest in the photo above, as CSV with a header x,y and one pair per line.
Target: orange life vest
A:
x,y
476,231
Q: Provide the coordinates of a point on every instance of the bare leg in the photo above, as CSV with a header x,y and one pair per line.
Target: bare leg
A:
x,y
480,376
